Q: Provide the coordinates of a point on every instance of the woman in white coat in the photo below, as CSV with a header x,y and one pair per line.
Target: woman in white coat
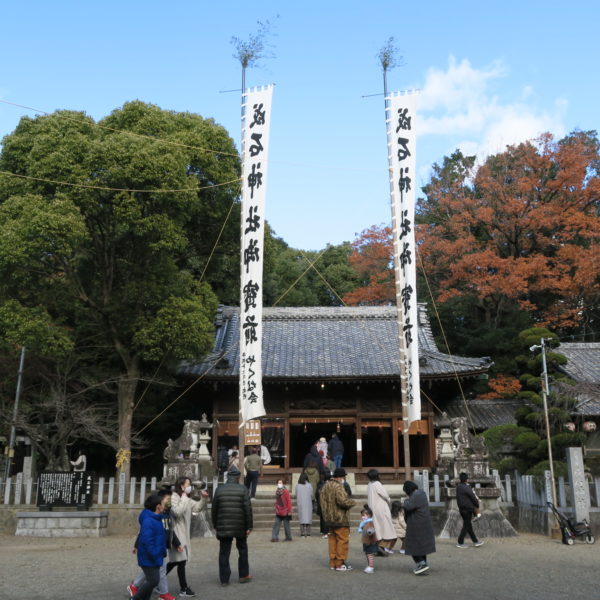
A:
x,y
380,503
182,507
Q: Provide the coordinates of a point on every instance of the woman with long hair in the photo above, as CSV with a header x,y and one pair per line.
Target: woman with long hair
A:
x,y
182,507
380,502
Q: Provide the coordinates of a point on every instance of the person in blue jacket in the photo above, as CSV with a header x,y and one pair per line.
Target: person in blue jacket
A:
x,y
151,545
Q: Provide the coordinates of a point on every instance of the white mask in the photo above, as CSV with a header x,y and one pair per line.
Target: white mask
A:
x,y
188,489
280,485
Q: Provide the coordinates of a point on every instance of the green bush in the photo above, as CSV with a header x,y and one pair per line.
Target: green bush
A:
x,y
526,441
510,464
530,397
593,465
560,469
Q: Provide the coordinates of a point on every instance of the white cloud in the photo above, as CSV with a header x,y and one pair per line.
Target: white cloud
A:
x,y
459,104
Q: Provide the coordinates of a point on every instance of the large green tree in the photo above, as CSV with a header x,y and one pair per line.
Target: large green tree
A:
x,y
116,266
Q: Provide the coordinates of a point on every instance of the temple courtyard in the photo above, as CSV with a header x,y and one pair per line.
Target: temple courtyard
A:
x,y
529,566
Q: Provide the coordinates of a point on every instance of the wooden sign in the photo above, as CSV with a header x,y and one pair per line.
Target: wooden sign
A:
x,y
252,435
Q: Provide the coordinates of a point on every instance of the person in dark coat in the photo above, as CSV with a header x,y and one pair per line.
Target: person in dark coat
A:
x,y
336,450
232,518
313,459
420,540
467,503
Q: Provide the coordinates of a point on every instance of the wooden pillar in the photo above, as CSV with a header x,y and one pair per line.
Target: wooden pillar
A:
x,y
286,443
395,445
359,462
431,435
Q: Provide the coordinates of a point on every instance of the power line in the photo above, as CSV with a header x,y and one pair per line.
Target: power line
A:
x,y
112,189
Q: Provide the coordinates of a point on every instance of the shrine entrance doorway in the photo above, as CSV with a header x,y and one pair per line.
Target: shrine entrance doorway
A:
x,y
303,434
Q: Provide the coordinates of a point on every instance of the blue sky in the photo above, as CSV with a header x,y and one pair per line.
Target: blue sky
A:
x,y
489,74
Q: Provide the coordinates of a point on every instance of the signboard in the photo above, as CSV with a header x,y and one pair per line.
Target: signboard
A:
x,y
256,121
401,126
60,488
252,433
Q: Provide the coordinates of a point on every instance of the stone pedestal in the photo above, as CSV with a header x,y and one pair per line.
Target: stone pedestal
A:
x,y
492,522
62,524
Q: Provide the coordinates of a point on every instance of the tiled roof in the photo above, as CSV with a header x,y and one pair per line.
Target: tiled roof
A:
x,y
584,361
584,367
483,413
329,343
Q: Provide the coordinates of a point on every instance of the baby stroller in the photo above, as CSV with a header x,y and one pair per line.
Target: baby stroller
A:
x,y
570,530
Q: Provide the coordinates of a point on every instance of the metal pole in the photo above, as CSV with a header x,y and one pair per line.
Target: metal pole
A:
x,y
403,373
545,392
10,452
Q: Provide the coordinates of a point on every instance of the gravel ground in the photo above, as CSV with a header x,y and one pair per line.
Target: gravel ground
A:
x,y
99,569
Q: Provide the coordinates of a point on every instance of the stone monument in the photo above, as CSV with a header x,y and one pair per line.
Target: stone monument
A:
x,y
580,490
471,457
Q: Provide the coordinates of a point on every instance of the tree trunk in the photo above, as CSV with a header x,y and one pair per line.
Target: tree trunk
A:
x,y
126,396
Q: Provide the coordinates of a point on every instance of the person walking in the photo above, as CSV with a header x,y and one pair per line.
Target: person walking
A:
x,y
253,465
322,448
283,512
336,449
304,495
379,502
323,529
232,518
171,542
151,549
336,506
467,504
182,507
234,461
420,540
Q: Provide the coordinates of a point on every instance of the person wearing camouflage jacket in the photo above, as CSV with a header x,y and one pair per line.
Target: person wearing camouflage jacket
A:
x,y
335,507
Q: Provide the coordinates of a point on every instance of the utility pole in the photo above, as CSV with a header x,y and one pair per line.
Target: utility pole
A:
x,y
545,392
10,449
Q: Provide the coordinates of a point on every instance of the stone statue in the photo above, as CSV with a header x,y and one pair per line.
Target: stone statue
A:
x,y
80,463
188,454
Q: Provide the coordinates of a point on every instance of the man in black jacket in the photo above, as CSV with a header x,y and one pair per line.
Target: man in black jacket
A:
x,y
232,518
467,503
336,449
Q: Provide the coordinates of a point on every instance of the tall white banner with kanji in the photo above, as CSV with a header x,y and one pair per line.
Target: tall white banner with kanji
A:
x,y
256,120
401,125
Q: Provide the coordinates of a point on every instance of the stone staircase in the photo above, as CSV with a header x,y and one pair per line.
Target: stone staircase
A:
x,y
263,512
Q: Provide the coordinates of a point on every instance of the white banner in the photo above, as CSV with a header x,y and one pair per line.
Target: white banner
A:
x,y
256,120
401,122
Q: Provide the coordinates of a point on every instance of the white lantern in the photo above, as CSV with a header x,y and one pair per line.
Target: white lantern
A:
x,y
589,426
570,426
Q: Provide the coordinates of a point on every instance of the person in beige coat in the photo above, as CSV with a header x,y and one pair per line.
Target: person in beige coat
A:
x,y
182,507
380,503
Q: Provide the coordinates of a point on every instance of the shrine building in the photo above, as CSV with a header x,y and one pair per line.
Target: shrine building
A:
x,y
328,370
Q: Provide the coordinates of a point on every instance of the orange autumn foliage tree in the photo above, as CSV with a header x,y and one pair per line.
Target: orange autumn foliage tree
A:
x,y
522,230
372,262
502,386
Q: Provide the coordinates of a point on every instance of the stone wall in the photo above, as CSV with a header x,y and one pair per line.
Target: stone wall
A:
x,y
122,518
64,524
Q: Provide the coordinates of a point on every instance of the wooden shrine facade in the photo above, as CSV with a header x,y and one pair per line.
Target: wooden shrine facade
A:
x,y
331,370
